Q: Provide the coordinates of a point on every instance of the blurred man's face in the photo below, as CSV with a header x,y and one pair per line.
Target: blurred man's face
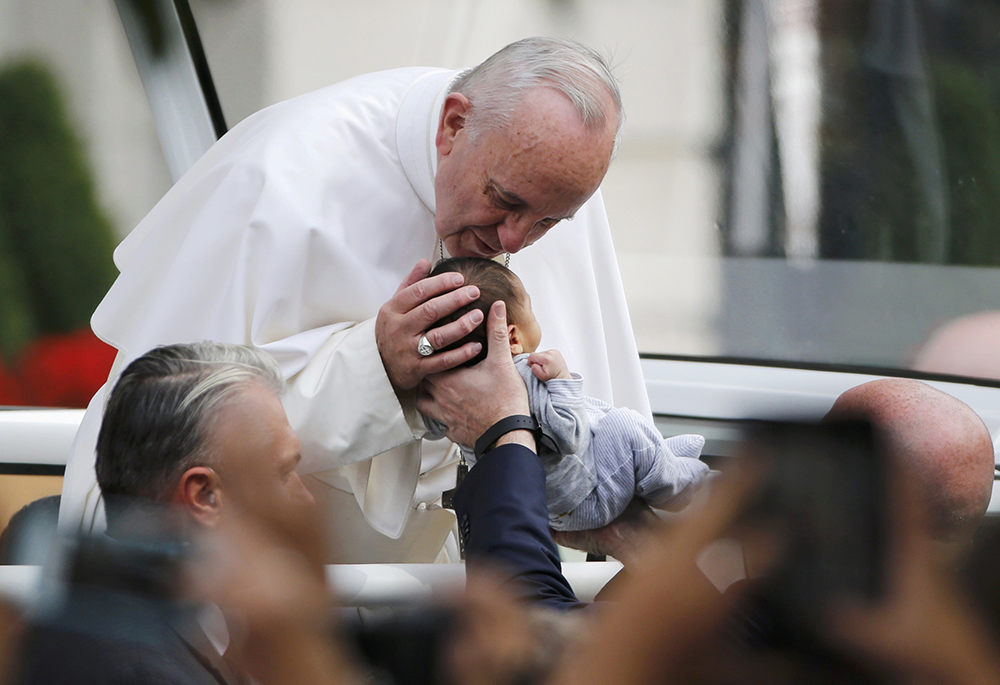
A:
x,y
504,191
255,452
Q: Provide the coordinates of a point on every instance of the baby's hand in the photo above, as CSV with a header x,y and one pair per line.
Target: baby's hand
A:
x,y
548,365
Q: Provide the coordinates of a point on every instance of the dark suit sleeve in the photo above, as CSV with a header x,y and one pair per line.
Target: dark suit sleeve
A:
x,y
503,519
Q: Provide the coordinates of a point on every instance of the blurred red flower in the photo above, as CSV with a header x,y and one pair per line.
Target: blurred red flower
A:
x,y
11,392
65,370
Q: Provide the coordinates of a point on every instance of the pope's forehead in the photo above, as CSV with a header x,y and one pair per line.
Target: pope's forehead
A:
x,y
548,146
545,114
547,100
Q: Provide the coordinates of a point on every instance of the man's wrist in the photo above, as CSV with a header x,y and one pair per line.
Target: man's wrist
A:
x,y
506,425
518,437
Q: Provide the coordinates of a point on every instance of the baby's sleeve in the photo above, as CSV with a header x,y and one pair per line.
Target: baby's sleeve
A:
x,y
435,429
558,406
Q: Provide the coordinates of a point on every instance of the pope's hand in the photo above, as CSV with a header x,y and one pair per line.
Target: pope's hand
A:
x,y
471,400
418,303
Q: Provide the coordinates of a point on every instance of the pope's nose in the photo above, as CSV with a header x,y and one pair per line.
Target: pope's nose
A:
x,y
513,235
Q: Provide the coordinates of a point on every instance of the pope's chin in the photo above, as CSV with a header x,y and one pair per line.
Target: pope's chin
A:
x,y
466,243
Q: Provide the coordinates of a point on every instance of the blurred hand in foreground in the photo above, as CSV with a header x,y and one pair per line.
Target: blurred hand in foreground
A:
x,y
264,567
668,609
924,628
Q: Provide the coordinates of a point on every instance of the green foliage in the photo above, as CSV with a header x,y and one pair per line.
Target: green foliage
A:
x,y
55,242
17,323
875,203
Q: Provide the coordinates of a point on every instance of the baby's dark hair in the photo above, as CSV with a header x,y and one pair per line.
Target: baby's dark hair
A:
x,y
495,282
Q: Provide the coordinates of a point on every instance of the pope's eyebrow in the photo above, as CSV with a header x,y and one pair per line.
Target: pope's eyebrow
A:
x,y
504,194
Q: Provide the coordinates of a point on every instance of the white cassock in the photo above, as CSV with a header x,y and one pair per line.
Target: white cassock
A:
x,y
289,234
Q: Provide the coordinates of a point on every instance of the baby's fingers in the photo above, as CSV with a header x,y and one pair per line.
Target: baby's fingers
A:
x,y
538,368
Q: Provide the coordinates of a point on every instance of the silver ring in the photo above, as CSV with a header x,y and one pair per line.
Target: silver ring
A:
x,y
424,347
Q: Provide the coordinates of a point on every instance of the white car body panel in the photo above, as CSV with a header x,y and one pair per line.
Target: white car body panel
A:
x,y
682,390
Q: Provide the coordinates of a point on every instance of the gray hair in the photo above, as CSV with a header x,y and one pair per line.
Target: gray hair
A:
x,y
159,417
496,87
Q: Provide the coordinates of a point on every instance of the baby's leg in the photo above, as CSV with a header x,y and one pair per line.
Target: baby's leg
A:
x,y
666,471
670,480
605,502
686,445
632,459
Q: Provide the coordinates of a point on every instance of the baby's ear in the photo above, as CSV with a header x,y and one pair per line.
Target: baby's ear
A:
x,y
514,337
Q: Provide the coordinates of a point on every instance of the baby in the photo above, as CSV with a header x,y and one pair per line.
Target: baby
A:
x,y
596,457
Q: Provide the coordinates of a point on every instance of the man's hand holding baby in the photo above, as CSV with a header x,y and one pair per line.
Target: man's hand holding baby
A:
x,y
548,365
471,400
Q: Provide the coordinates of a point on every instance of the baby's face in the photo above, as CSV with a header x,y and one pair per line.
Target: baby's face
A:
x,y
529,332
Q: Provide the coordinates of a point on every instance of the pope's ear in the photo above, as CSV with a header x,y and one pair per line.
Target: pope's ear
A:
x,y
199,492
454,115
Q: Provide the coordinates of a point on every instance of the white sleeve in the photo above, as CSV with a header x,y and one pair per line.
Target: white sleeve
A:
x,y
343,406
352,424
559,409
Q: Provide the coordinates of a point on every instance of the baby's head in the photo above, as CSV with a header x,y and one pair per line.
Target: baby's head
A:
x,y
495,282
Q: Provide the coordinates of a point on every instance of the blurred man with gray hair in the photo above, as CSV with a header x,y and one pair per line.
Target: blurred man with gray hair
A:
x,y
194,425
192,435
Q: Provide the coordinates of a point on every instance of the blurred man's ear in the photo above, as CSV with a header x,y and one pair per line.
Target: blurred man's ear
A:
x,y
200,494
514,336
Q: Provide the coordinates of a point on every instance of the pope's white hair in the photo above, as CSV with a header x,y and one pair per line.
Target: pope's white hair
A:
x,y
497,86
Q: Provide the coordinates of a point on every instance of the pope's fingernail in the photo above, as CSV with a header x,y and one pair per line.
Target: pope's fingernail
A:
x,y
501,309
457,279
472,291
477,316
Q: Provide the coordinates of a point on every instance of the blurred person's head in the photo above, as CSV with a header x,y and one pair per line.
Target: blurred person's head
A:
x,y
944,442
195,425
495,282
966,346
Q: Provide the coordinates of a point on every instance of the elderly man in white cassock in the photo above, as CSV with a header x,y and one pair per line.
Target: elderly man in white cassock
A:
x,y
298,233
